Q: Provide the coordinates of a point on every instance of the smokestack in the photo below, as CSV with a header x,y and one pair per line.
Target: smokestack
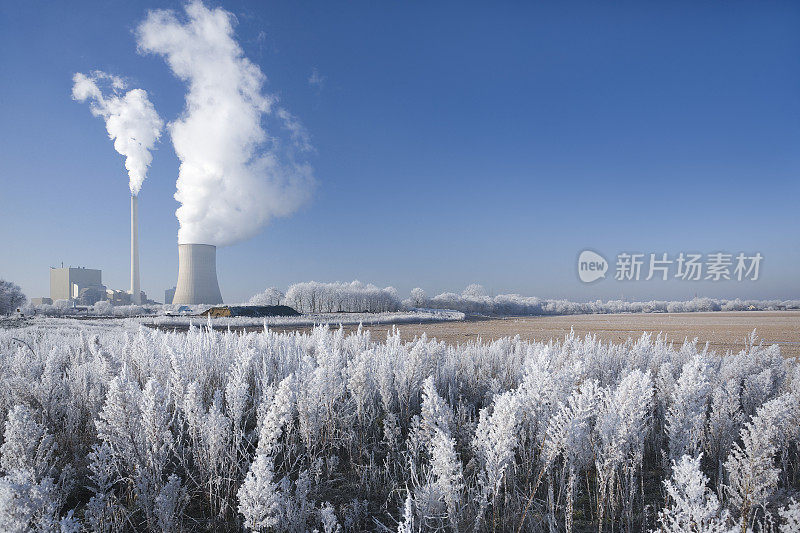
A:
x,y
136,293
197,275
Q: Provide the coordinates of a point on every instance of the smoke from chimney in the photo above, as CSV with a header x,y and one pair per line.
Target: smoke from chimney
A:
x,y
234,176
131,120
134,126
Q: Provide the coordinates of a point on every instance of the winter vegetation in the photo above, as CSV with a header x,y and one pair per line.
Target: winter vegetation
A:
x,y
474,301
64,308
271,296
357,297
308,297
311,319
131,323
11,297
109,428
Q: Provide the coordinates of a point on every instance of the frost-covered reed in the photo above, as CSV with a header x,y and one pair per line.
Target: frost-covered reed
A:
x,y
135,429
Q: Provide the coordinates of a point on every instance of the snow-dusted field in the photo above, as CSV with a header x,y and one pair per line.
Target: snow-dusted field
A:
x,y
313,319
415,316
723,330
112,426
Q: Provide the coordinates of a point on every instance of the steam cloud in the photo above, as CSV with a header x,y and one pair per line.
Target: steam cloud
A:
x,y
131,120
234,176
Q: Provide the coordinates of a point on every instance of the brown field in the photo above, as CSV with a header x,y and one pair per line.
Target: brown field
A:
x,y
724,331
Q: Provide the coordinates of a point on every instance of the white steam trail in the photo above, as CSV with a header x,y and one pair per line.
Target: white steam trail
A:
x,y
131,120
234,176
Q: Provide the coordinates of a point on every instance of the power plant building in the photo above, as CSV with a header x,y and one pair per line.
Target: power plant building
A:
x,y
197,275
67,283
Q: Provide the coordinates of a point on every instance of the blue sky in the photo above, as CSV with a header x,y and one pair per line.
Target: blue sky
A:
x,y
455,143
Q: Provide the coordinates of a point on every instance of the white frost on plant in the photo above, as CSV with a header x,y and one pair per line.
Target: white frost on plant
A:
x,y
259,498
686,416
260,429
694,507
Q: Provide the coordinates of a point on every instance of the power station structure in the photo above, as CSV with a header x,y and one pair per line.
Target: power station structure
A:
x,y
85,284
136,293
197,275
70,282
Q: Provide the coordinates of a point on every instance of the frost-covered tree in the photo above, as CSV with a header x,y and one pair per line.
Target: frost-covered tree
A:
x,y
474,300
271,296
103,308
314,297
418,298
11,297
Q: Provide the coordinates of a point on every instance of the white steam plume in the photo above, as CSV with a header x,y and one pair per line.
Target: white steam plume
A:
x,y
131,120
234,176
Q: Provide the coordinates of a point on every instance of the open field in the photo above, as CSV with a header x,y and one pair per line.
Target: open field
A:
x,y
183,323
722,330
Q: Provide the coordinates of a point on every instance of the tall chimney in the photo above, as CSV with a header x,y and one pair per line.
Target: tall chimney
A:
x,y
197,275
136,293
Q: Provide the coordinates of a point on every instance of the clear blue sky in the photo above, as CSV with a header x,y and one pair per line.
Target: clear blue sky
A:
x,y
456,142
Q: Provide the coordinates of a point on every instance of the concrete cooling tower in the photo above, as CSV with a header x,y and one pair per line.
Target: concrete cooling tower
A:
x,y
197,275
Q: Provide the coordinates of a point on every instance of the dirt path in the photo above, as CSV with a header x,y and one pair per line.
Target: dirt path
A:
x,y
723,330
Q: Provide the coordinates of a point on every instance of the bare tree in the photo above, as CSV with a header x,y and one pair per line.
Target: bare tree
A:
x,y
11,297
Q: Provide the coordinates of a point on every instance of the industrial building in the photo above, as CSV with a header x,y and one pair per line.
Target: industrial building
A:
x,y
197,275
84,286
118,297
70,283
169,295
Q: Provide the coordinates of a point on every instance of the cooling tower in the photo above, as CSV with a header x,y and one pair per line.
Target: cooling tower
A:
x,y
136,293
197,275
